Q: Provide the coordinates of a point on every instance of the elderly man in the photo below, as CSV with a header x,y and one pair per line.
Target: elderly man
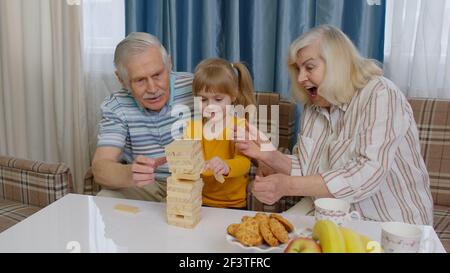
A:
x,y
136,121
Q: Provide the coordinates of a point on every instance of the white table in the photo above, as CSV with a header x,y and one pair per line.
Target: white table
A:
x,y
90,224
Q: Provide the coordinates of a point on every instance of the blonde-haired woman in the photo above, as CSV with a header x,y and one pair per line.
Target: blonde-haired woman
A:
x,y
358,139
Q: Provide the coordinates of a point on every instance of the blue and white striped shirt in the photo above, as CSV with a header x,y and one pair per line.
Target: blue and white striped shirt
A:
x,y
138,131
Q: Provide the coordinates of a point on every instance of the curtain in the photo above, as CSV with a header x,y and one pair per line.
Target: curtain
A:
x,y
42,101
257,32
417,50
103,29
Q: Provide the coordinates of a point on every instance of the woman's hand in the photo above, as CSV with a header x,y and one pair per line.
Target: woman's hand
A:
x,y
252,142
249,148
217,166
264,169
271,188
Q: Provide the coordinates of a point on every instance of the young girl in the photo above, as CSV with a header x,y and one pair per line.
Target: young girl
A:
x,y
220,84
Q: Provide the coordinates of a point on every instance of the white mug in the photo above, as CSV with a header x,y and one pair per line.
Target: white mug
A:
x,y
337,210
398,237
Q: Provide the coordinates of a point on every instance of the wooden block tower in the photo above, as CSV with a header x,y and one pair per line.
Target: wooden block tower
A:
x,y
184,186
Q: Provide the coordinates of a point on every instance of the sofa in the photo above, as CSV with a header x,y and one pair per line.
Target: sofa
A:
x,y
433,121
26,186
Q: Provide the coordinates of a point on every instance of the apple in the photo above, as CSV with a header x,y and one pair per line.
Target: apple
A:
x,y
303,245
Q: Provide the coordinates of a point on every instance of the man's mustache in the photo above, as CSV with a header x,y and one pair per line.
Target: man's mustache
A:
x,y
153,95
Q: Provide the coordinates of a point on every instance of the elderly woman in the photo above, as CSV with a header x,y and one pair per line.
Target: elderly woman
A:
x,y
358,140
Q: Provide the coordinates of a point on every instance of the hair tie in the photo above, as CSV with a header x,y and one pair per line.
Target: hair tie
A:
x,y
235,70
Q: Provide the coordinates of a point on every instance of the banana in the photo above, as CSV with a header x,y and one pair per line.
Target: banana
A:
x,y
329,236
370,245
353,241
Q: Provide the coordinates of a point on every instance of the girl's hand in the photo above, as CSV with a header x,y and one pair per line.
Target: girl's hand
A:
x,y
217,166
271,188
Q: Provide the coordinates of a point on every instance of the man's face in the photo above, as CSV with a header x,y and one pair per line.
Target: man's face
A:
x,y
149,79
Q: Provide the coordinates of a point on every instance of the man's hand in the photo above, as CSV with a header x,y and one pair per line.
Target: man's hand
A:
x,y
143,169
217,166
271,188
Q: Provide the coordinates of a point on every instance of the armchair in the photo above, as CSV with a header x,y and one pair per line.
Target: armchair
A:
x,y
26,186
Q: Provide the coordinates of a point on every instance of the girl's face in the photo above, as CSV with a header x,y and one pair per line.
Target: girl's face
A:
x,y
214,104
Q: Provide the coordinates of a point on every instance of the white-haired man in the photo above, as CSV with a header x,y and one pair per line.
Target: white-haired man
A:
x,y
136,121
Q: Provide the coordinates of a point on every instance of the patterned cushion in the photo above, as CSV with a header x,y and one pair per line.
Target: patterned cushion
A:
x,y
13,212
27,186
433,121
286,118
33,182
442,225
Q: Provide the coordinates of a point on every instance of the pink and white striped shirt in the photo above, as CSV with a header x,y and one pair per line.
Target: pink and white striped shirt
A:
x,y
368,153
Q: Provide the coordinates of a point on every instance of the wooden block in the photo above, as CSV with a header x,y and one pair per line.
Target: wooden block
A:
x,y
175,189
181,182
190,164
188,185
181,222
185,158
192,216
189,174
219,178
172,190
184,146
184,197
183,207
188,211
185,162
126,208
185,218
183,185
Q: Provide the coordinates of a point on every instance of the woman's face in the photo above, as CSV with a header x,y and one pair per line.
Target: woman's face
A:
x,y
311,71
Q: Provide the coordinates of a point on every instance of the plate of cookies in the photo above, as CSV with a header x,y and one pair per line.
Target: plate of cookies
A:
x,y
261,232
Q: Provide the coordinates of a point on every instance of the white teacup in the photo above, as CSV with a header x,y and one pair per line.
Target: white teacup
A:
x,y
336,210
398,237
